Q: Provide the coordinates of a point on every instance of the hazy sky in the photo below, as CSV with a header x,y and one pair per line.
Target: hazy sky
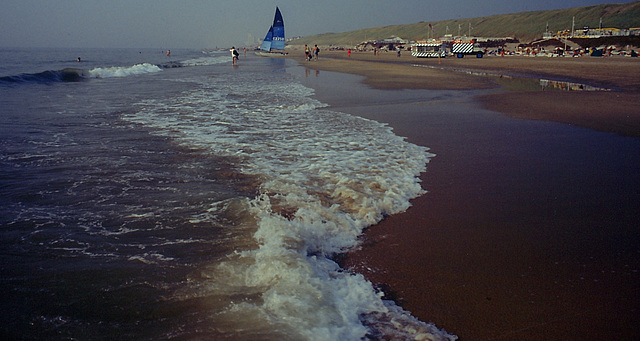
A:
x,y
211,23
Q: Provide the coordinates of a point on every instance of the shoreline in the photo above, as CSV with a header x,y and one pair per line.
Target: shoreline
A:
x,y
599,110
528,229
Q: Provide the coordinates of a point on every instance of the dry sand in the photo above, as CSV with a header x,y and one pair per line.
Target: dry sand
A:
x,y
529,229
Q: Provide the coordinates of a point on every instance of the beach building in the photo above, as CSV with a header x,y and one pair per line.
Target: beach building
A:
x,y
587,32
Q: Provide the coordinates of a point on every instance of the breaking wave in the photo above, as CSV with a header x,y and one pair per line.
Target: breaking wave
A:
x,y
325,176
50,76
78,75
118,71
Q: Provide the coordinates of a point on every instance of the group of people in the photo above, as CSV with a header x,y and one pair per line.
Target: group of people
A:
x,y
311,54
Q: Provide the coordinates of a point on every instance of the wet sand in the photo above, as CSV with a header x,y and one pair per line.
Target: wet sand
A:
x,y
617,111
529,229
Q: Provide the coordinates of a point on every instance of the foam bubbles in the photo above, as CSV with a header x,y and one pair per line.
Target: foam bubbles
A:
x,y
123,71
325,176
207,60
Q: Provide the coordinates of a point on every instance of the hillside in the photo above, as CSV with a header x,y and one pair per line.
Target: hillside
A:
x,y
525,26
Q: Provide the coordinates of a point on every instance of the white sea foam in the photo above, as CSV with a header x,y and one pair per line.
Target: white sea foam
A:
x,y
325,177
208,60
124,71
150,258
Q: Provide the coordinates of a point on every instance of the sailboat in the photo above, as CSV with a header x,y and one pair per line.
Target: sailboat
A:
x,y
273,43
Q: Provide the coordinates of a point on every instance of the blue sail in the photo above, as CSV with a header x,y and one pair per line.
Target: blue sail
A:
x,y
278,31
266,43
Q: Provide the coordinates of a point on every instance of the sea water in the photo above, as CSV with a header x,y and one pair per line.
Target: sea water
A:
x,y
146,196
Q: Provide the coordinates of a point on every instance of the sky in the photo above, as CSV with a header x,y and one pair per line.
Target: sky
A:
x,y
170,24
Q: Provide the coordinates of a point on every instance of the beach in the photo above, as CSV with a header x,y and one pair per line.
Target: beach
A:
x,y
528,229
602,111
147,196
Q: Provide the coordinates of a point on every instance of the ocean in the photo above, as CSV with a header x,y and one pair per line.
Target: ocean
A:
x,y
146,197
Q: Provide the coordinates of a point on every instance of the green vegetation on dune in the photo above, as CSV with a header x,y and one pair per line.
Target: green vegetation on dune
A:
x,y
525,26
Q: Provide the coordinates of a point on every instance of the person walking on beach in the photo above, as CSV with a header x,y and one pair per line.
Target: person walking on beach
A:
x,y
234,55
316,50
